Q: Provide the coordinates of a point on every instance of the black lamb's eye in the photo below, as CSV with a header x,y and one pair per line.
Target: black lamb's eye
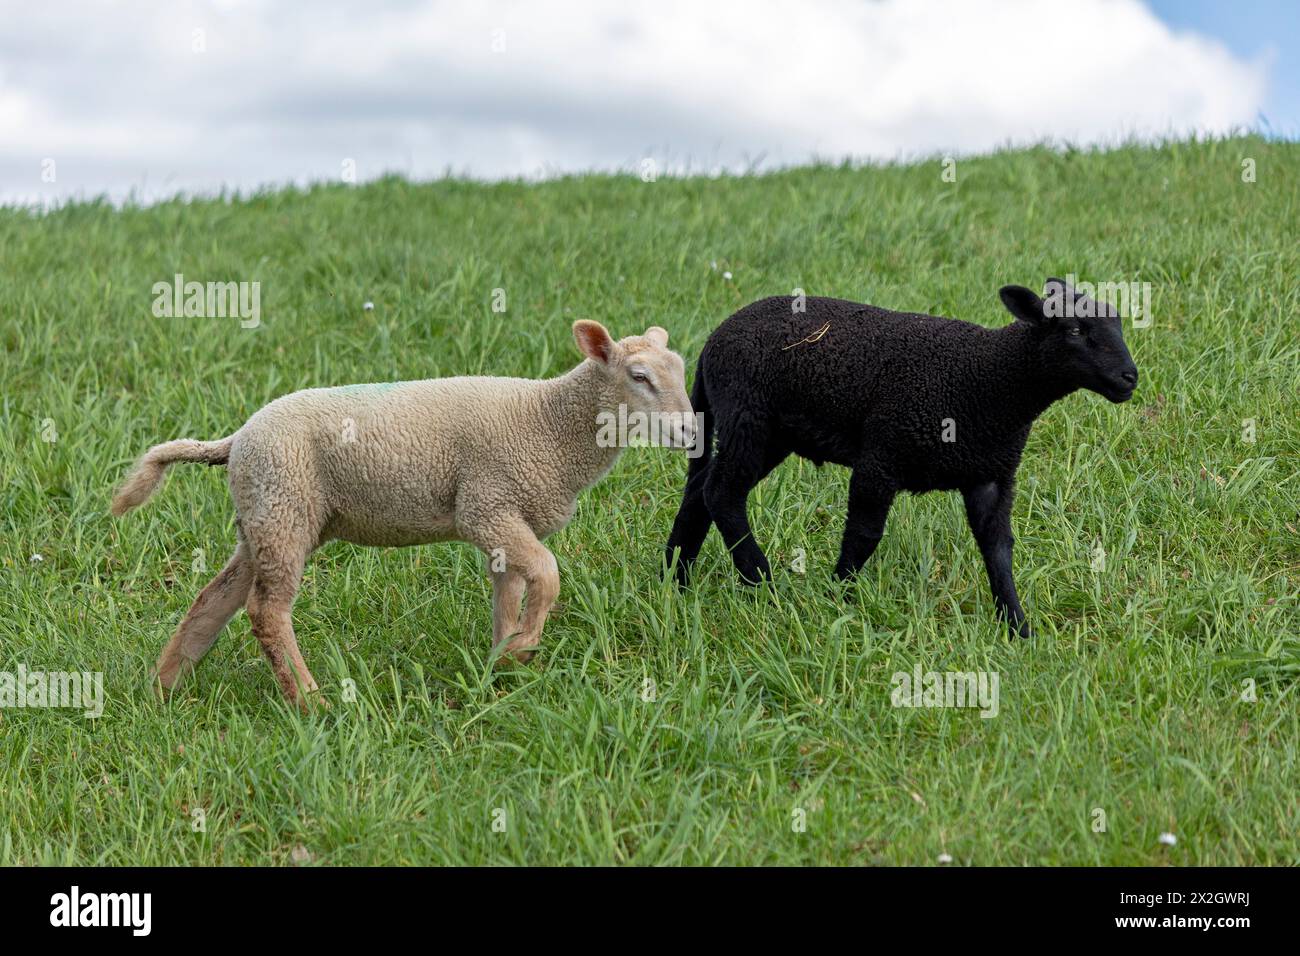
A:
x,y
1075,330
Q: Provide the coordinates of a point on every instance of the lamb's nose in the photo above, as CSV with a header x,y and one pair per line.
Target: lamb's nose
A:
x,y
1130,376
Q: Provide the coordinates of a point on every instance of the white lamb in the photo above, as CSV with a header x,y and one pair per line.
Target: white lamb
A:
x,y
497,462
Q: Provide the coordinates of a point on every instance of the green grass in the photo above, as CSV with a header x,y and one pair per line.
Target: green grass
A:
x,y
767,702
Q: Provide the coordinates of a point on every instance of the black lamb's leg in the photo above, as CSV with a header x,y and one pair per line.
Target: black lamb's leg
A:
x,y
988,509
690,528
870,497
736,468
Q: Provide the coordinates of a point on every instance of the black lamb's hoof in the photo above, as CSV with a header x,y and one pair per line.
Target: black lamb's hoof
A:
x,y
844,574
838,588
754,575
679,570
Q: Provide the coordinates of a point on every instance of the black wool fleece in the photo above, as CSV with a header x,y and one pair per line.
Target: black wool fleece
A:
x,y
910,402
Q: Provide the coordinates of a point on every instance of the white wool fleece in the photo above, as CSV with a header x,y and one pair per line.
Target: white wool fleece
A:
x,y
497,462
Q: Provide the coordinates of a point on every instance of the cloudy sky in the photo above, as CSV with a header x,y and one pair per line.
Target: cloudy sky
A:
x,y
151,99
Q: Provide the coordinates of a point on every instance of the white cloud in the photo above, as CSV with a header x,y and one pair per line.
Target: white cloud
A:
x,y
119,98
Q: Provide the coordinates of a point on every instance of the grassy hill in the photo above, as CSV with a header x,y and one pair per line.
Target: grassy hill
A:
x,y
769,708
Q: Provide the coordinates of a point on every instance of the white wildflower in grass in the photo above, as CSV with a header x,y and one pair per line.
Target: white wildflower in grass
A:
x,y
945,859
1168,839
369,307
37,559
727,276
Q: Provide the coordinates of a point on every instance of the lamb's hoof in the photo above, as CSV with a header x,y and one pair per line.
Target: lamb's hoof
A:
x,y
168,675
1024,631
754,575
839,588
311,702
517,654
845,573
677,570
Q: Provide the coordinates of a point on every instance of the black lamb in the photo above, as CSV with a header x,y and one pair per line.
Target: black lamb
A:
x,y
910,402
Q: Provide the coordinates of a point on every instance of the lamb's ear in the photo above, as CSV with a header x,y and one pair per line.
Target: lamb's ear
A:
x,y
593,341
1023,303
658,336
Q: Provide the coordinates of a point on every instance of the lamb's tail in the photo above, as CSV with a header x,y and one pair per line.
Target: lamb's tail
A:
x,y
700,405
148,472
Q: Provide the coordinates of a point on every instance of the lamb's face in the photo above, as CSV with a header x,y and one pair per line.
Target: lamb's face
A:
x,y
1080,339
646,379
1091,353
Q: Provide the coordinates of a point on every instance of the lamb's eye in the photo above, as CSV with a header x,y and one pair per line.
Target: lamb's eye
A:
x,y
640,377
1074,331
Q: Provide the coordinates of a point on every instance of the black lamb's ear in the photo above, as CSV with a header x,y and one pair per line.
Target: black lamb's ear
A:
x,y
1023,303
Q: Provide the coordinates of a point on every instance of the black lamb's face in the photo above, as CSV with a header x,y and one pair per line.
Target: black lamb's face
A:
x,y
1080,339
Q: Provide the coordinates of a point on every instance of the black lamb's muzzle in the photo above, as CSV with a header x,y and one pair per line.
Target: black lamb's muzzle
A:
x,y
1120,388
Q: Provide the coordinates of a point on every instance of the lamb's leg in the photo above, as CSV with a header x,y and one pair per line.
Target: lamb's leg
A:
x,y
695,518
988,509
690,528
507,596
870,497
542,575
211,611
276,577
739,465
527,560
